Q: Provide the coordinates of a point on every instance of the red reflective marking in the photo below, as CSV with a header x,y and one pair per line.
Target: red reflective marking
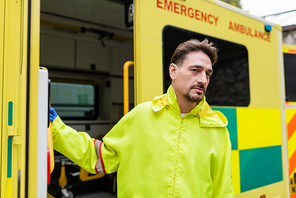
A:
x,y
292,51
48,166
293,196
291,127
102,159
292,162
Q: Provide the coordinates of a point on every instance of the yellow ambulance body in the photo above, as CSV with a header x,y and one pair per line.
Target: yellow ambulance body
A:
x,y
255,107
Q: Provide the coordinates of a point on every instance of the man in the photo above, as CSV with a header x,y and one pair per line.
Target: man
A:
x,y
173,146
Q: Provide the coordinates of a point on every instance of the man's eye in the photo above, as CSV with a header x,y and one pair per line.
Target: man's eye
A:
x,y
209,74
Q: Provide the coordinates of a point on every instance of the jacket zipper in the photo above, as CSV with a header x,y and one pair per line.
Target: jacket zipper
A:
x,y
177,158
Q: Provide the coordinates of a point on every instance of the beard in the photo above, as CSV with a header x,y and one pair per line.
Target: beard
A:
x,y
196,98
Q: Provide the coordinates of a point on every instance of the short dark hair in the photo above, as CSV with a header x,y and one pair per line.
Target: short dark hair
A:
x,y
194,45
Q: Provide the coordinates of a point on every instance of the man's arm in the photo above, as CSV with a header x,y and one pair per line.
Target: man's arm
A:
x,y
79,147
90,154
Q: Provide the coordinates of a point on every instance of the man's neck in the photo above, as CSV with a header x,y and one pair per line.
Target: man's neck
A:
x,y
185,105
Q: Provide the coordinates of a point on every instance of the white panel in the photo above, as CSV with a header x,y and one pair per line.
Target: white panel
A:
x,y
92,53
42,134
119,57
97,11
57,51
117,90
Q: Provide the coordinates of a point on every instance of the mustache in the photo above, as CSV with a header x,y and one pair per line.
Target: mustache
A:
x,y
201,86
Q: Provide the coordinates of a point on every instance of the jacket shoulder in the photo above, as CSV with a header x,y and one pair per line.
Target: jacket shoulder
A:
x,y
221,116
210,118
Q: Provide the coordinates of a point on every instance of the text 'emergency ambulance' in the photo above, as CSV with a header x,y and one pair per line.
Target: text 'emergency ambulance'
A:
x,y
187,11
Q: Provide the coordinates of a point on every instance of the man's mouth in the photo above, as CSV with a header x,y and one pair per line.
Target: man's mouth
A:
x,y
198,89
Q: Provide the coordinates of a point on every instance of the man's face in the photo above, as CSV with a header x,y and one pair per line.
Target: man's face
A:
x,y
190,80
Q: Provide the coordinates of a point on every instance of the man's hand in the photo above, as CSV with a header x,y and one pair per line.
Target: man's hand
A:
x,y
53,114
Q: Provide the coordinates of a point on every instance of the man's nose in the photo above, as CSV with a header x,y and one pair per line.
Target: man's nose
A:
x,y
202,78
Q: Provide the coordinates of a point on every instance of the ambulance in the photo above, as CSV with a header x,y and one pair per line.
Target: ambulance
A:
x,y
70,55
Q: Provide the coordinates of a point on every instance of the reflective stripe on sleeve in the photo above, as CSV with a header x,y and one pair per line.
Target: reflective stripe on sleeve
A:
x,y
100,169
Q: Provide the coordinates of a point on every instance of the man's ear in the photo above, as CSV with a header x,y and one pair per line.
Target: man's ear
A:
x,y
173,71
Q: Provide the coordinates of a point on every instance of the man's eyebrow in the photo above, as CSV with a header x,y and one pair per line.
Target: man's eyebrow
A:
x,y
210,70
201,67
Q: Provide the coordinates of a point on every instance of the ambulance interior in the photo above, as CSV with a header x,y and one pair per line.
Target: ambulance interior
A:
x,y
84,45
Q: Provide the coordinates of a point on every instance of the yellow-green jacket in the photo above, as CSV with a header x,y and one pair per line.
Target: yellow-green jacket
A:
x,y
156,152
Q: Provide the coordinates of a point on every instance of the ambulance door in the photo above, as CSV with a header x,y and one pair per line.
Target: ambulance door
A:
x,y
247,84
19,60
289,52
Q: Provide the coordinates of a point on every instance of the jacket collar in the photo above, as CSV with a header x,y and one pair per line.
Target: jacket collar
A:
x,y
208,117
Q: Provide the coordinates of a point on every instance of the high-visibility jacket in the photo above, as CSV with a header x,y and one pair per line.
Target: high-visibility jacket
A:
x,y
156,152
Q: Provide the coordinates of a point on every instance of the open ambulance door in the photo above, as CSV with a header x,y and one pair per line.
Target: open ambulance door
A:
x,y
247,84
20,173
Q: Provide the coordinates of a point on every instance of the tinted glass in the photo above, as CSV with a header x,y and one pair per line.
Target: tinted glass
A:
x,y
290,76
74,100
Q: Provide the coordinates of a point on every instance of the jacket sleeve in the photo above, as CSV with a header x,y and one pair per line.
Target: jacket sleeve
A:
x,y
114,145
221,172
95,156
79,147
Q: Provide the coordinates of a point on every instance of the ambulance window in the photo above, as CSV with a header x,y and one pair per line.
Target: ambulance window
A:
x,y
229,84
290,76
74,100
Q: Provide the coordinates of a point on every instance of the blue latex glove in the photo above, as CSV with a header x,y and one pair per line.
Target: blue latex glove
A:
x,y
53,114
